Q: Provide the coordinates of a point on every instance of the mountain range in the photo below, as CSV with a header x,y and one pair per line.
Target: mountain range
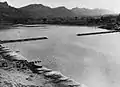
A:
x,y
37,11
8,13
91,12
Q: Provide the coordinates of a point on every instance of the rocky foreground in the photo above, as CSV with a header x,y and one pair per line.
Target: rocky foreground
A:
x,y
17,71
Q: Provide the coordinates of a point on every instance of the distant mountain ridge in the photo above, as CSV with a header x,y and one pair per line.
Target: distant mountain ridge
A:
x,y
4,4
10,13
91,12
37,11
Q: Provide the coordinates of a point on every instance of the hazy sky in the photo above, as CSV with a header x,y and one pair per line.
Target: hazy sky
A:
x,y
107,4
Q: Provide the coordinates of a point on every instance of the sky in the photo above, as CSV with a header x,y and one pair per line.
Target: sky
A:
x,y
113,5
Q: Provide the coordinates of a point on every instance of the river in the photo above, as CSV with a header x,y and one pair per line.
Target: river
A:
x,y
91,60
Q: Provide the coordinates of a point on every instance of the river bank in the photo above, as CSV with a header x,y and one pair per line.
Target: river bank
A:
x,y
15,70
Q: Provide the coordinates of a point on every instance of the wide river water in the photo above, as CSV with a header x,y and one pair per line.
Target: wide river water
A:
x,y
91,60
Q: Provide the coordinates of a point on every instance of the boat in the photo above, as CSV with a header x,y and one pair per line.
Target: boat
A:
x,y
17,71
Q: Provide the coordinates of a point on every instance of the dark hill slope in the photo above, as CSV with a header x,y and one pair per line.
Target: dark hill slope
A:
x,y
91,12
8,13
39,10
63,12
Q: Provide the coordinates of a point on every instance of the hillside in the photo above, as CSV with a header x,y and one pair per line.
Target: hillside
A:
x,y
8,13
38,13
39,10
91,12
63,12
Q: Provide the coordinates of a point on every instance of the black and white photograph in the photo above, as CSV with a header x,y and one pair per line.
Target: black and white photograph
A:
x,y
59,43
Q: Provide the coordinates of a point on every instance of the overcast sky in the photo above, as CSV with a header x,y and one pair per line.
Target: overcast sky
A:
x,y
107,4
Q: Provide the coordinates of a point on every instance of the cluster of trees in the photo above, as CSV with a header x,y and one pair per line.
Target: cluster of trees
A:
x,y
88,20
83,21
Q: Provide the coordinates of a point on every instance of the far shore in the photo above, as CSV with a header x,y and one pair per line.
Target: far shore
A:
x,y
10,25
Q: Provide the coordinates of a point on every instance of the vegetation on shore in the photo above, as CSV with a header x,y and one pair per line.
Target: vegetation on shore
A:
x,y
40,14
106,22
109,22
